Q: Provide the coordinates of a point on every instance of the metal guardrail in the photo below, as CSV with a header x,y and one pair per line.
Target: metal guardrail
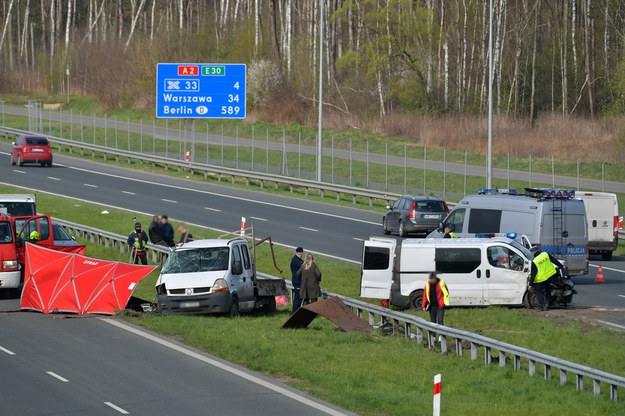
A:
x,y
425,333
217,171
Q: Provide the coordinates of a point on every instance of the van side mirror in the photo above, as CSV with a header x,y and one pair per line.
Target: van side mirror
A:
x,y
237,267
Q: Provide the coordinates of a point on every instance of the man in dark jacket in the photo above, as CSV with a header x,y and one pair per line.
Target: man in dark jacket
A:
x,y
167,231
296,263
137,240
154,231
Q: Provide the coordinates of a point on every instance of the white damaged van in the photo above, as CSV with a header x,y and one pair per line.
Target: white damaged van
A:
x,y
478,271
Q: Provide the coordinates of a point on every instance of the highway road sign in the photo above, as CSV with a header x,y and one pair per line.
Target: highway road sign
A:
x,y
200,90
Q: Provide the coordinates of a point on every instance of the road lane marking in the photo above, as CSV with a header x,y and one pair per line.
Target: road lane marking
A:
x,y
613,325
90,185
149,214
309,229
119,409
238,198
128,193
52,178
225,366
259,219
622,296
58,377
18,171
7,351
212,209
358,239
169,200
608,268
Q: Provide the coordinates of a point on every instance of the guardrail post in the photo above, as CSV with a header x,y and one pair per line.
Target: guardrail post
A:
x,y
306,190
321,193
407,331
502,359
419,335
579,382
562,377
596,387
473,351
613,392
431,339
458,343
371,319
532,367
370,201
547,372
359,312
517,363
443,344
488,357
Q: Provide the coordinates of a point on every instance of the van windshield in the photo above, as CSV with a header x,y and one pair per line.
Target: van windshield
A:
x,y
5,233
209,259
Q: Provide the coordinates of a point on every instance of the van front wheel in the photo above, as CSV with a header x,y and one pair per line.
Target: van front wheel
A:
x,y
234,308
416,299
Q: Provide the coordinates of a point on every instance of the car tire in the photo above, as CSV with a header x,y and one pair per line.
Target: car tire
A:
x,y
606,256
402,231
12,161
49,164
19,161
385,227
234,308
416,300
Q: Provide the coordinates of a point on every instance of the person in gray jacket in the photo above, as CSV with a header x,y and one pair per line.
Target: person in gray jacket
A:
x,y
310,290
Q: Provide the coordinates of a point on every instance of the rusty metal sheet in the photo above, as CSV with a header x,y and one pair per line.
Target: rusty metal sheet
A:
x,y
334,310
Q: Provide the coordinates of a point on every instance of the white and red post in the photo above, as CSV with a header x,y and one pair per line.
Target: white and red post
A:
x,y
243,226
436,409
187,156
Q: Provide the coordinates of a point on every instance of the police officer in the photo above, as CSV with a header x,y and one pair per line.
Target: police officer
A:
x,y
296,263
137,240
449,232
543,269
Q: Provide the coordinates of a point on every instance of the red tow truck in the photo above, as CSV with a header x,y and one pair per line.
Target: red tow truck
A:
x,y
15,232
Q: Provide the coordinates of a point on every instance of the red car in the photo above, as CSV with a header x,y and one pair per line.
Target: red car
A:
x,y
31,149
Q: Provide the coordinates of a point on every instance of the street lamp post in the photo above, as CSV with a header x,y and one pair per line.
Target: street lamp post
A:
x,y
489,156
320,118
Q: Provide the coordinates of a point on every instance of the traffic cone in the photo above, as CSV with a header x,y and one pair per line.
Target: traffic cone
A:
x,y
599,278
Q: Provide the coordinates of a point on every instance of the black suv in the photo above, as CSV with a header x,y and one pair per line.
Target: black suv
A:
x,y
414,214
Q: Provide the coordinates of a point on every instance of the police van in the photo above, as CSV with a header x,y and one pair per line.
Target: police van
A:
x,y
477,271
552,218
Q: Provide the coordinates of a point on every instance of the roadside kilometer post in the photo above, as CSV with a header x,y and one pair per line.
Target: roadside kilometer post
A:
x,y
200,91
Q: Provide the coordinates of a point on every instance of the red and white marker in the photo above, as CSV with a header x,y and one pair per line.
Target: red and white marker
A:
x,y
437,395
186,157
243,221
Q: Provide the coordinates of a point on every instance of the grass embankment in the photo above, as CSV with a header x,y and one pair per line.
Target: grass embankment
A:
x,y
376,375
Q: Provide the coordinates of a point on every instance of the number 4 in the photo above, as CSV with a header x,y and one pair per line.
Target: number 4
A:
x,y
236,85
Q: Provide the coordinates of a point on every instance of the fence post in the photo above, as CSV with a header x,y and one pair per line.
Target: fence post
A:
x,y
367,179
141,136
444,173
208,151
267,148
425,155
222,145
405,166
578,174
332,161
530,170
128,133
603,176
553,173
386,163
93,127
105,131
236,163
464,193
508,171
299,156
71,122
116,135
153,137
253,134
82,130
166,138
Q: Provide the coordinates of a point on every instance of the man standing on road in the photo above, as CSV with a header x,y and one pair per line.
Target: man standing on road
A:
x,y
543,269
167,231
296,263
137,240
185,235
154,231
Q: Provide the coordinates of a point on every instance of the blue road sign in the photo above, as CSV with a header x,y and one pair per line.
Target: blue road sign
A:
x,y
200,90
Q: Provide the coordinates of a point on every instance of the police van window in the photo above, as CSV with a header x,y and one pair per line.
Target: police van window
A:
x,y
457,260
376,258
456,220
504,258
484,220
246,258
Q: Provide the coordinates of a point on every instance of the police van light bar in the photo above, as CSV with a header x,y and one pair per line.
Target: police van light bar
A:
x,y
549,193
511,236
492,191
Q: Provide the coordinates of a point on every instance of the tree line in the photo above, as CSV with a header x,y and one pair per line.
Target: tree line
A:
x,y
382,56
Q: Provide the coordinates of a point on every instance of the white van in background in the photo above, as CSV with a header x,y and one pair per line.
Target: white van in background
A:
x,y
478,271
603,222
552,218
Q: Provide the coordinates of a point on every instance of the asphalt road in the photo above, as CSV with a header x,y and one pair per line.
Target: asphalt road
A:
x,y
321,228
458,168
94,366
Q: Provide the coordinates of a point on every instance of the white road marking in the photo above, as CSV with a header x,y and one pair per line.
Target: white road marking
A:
x,y
149,214
90,185
169,200
309,229
7,351
119,409
18,171
608,268
238,198
212,209
52,178
128,193
226,367
259,219
58,377
613,325
358,239
622,296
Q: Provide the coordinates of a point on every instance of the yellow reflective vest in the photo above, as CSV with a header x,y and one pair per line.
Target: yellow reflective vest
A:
x,y
544,268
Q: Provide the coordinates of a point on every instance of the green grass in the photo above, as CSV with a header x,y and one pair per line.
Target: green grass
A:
x,y
378,375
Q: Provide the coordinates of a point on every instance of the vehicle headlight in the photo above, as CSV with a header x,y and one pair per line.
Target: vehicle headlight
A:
x,y
9,264
220,285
